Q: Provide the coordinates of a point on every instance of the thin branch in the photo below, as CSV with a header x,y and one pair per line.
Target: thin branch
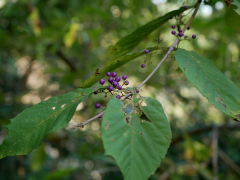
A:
x,y
66,60
82,124
229,161
215,153
205,129
173,45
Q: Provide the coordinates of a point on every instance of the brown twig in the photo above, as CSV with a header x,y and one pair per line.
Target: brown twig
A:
x,y
215,153
82,124
205,129
66,60
228,161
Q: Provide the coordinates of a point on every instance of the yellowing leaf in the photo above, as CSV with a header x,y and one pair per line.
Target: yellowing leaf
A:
x,y
71,35
34,21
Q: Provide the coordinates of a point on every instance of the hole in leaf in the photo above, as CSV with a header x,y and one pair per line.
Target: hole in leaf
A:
x,y
143,117
141,133
143,104
127,119
53,108
112,139
62,106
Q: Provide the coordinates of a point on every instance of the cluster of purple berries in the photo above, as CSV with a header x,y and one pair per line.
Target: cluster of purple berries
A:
x,y
114,81
180,32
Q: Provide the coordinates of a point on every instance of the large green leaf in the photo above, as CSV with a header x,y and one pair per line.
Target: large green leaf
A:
x,y
27,130
138,146
237,3
127,43
114,65
211,82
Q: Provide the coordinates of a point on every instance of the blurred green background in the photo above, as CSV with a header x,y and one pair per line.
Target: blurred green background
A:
x,y
50,47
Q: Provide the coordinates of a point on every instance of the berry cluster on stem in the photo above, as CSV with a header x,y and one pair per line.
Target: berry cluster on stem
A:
x,y
124,77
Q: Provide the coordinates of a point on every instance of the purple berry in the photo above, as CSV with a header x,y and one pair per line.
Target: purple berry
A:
x,y
143,65
173,27
110,79
173,32
97,105
108,74
194,36
102,81
180,30
95,92
146,51
118,96
119,87
188,27
115,83
186,36
110,88
99,116
137,91
185,7
126,82
180,34
117,78
124,77
114,74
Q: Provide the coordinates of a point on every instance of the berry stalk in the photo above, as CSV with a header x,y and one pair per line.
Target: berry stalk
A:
x,y
173,45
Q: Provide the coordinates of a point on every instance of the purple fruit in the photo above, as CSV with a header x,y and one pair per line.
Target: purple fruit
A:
x,y
110,79
126,82
115,83
95,92
173,27
180,30
173,32
110,88
119,87
102,81
143,65
137,91
185,7
146,51
124,77
188,27
99,116
108,74
180,34
114,74
194,36
118,96
117,78
97,105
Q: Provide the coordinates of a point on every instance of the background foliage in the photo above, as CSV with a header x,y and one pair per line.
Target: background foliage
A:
x,y
50,47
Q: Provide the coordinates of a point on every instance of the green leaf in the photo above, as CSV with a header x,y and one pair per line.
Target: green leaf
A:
x,y
237,3
27,130
211,82
127,43
114,65
138,146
